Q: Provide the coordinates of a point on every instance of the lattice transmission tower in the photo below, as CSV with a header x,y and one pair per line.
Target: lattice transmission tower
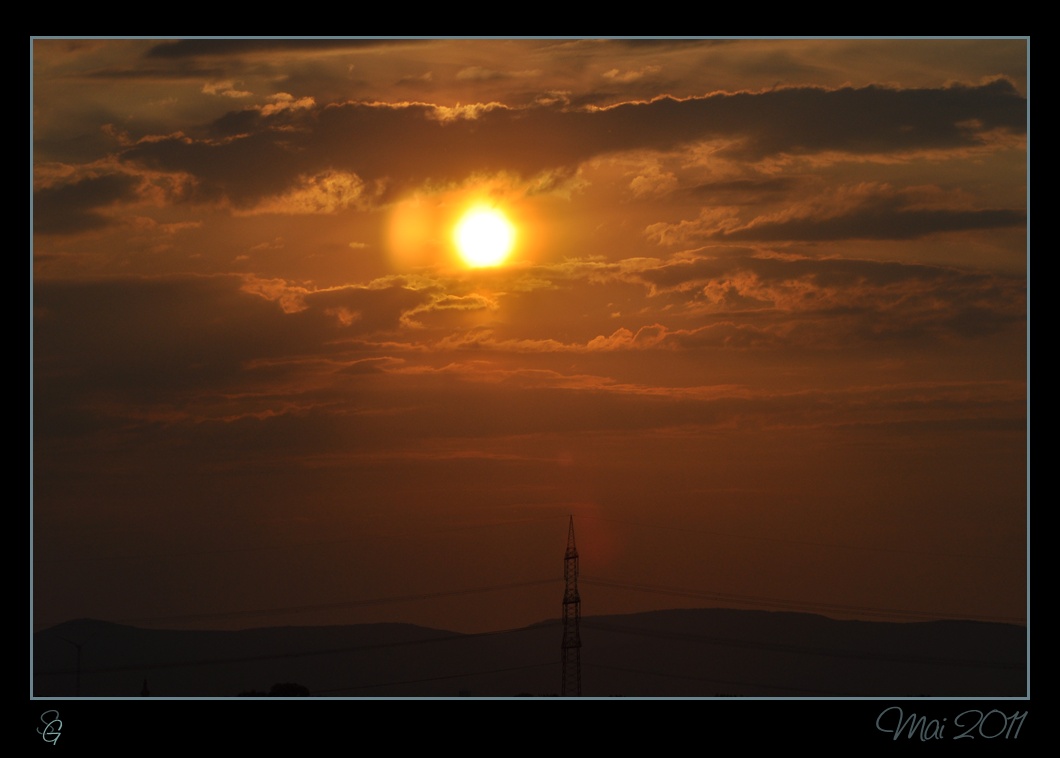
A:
x,y
572,612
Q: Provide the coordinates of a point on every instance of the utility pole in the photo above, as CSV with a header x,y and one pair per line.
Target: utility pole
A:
x,y
572,612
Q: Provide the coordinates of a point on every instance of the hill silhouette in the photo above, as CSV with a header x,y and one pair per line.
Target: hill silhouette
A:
x,y
676,653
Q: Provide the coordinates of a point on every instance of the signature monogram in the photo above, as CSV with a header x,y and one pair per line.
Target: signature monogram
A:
x,y
52,725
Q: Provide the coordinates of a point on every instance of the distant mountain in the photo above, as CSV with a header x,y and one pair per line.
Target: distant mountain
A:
x,y
677,653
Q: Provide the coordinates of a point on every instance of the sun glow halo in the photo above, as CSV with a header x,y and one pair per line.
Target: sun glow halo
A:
x,y
484,237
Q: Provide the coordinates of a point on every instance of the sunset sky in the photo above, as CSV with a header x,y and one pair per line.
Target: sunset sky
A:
x,y
762,329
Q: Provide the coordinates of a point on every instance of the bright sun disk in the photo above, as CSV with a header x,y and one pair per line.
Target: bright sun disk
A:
x,y
484,237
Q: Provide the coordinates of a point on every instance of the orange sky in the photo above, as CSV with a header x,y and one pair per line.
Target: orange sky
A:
x,y
762,330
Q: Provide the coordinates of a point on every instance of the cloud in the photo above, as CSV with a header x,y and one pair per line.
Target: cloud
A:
x,y
371,309
745,190
834,301
880,222
480,74
725,334
194,48
625,77
371,365
79,205
225,88
153,334
283,101
326,192
183,73
863,211
624,339
470,111
481,397
253,153
876,119
424,78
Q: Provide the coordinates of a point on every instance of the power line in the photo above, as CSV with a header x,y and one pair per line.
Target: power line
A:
x,y
588,623
700,594
792,605
293,609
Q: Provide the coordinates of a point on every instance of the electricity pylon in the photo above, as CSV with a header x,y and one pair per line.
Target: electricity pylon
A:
x,y
572,612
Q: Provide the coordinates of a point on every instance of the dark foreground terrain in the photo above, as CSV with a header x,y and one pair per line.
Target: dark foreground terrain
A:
x,y
677,653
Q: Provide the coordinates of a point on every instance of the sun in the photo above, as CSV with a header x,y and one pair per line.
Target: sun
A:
x,y
484,236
